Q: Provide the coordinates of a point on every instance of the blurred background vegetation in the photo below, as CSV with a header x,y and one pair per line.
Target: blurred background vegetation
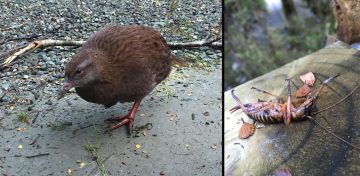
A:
x,y
261,36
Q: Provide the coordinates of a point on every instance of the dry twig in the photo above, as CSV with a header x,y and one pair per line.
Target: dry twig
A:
x,y
39,44
14,53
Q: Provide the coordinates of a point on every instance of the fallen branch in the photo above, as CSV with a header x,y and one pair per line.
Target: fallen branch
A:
x,y
14,53
39,44
209,43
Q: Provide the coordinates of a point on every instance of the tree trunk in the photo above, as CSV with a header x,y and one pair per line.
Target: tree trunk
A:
x,y
289,8
348,19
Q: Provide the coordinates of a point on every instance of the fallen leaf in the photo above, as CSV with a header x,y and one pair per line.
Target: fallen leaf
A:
x,y
18,129
213,146
82,164
137,146
308,78
69,172
246,130
20,146
282,172
303,91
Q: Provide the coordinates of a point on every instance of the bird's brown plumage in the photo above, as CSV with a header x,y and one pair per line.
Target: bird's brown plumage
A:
x,y
118,64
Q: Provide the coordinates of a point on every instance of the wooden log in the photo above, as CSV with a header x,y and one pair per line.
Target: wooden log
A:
x,y
303,148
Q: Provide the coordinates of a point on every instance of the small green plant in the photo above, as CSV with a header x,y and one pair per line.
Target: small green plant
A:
x,y
23,117
58,126
93,150
173,5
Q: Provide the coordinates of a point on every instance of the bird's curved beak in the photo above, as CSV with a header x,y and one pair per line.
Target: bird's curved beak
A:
x,y
68,84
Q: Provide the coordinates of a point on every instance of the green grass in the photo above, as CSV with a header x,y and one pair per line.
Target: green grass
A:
x,y
23,117
58,126
94,150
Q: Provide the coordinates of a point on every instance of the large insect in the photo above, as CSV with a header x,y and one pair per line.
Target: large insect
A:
x,y
276,112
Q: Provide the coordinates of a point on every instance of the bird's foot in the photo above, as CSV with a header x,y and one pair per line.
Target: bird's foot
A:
x,y
122,120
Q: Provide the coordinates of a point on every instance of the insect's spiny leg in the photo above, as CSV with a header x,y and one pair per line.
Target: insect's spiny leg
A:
x,y
325,82
239,102
333,134
292,82
332,89
235,108
289,105
341,100
265,92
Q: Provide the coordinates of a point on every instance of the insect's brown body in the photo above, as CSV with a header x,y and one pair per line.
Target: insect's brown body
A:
x,y
265,112
276,112
273,112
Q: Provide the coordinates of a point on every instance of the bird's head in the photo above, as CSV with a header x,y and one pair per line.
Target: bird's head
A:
x,y
81,71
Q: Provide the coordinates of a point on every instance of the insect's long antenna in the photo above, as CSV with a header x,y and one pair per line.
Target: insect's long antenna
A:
x,y
341,139
341,100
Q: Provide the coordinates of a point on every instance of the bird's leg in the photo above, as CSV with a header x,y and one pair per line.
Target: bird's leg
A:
x,y
127,119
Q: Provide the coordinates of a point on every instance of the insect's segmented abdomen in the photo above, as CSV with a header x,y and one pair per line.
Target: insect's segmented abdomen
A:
x,y
270,114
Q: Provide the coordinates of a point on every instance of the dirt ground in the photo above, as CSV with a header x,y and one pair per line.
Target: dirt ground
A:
x,y
178,132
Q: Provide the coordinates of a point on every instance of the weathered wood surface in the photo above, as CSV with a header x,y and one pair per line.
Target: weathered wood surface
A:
x,y
303,147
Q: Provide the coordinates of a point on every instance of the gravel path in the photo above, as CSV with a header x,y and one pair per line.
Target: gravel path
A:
x,y
178,125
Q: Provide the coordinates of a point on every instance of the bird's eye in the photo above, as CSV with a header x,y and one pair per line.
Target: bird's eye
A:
x,y
78,71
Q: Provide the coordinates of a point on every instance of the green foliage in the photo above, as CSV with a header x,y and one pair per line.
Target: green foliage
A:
x,y
23,117
94,151
251,49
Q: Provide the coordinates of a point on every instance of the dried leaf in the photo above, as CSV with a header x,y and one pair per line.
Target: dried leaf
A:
x,y
303,91
137,146
246,130
206,113
282,172
308,78
69,172
82,164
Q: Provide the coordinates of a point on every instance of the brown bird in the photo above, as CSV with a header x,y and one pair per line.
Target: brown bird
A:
x,y
119,64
